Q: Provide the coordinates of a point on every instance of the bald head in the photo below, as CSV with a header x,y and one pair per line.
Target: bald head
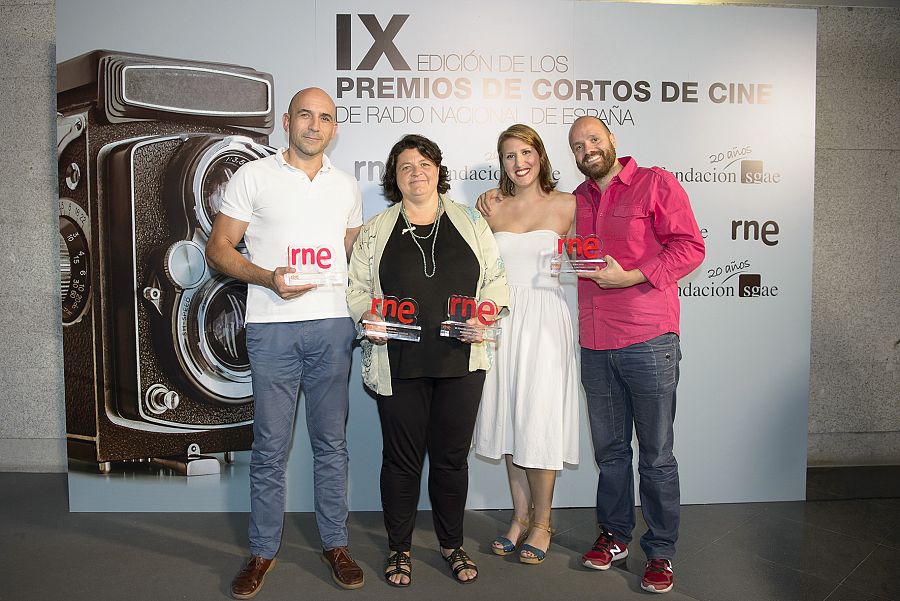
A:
x,y
594,147
310,123
585,120
316,95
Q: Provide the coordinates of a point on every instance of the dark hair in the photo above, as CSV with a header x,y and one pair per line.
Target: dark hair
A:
x,y
530,137
428,149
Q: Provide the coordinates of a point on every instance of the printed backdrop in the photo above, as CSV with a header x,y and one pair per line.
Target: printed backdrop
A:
x,y
724,97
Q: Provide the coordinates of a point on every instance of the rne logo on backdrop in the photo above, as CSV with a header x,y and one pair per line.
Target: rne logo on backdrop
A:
x,y
382,44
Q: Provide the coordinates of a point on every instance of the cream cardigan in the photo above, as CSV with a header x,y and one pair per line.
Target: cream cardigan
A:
x,y
366,285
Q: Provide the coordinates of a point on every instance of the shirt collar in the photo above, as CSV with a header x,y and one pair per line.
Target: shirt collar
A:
x,y
326,162
629,167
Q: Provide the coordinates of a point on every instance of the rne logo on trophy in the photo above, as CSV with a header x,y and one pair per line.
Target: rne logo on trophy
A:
x,y
464,308
398,320
312,265
405,311
461,309
587,247
577,255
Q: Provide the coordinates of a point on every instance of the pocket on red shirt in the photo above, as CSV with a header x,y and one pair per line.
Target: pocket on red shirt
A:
x,y
628,222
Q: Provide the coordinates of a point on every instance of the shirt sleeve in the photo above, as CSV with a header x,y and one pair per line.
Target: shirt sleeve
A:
x,y
493,285
236,201
677,231
356,211
361,288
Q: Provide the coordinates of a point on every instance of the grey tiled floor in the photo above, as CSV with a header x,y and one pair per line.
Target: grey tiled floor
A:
x,y
835,550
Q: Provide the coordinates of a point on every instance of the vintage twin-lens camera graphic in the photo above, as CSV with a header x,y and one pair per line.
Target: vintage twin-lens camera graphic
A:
x,y
154,343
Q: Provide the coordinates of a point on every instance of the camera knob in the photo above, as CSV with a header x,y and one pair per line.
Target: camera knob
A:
x,y
160,399
185,264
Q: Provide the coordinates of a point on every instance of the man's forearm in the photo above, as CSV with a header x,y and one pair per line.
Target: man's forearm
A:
x,y
233,264
633,278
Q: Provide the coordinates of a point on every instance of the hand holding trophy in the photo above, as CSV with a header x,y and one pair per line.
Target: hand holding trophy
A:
x,y
391,319
471,321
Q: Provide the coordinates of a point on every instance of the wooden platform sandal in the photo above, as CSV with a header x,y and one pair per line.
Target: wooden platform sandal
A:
x,y
537,554
503,546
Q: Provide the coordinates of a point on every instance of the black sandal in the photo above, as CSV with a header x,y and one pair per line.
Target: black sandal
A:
x,y
463,562
398,563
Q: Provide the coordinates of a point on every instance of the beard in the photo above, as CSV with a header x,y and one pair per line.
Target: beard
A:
x,y
599,169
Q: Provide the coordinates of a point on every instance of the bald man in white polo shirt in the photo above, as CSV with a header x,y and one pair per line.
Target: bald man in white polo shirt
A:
x,y
297,335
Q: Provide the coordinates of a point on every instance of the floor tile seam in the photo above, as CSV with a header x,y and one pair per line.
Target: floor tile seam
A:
x,y
875,545
561,532
705,546
740,524
834,590
816,526
682,557
856,567
874,597
796,570
885,502
888,544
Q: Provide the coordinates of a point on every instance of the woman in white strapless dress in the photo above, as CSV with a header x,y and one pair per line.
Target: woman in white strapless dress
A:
x,y
529,407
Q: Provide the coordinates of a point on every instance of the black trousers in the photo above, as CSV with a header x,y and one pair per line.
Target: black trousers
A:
x,y
436,415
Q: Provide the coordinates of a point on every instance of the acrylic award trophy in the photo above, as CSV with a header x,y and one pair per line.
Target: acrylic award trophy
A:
x,y
577,255
313,266
398,321
460,309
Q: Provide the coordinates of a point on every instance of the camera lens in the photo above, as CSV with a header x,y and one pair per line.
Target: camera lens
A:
x,y
212,341
216,177
224,328
210,164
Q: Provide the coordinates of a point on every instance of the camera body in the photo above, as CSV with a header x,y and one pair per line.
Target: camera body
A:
x,y
153,339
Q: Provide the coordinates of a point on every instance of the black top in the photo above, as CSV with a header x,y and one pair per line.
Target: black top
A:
x,y
402,275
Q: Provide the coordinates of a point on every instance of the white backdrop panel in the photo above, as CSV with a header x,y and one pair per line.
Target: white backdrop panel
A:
x,y
741,426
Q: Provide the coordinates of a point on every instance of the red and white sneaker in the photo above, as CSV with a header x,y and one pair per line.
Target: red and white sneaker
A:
x,y
658,576
606,550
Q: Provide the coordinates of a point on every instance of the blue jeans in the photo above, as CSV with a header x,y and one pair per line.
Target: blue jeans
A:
x,y
635,386
283,356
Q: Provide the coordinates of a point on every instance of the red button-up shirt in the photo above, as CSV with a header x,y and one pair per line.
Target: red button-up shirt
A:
x,y
644,220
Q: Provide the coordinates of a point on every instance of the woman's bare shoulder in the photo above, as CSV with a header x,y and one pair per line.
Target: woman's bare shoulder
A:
x,y
563,211
557,195
564,200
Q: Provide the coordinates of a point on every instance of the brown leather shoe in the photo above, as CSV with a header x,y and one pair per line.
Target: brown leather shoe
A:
x,y
343,569
250,579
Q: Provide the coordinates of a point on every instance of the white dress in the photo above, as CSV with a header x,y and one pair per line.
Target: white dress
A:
x,y
529,407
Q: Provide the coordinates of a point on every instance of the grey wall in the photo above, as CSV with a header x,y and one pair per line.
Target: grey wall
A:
x,y
854,411
854,405
32,418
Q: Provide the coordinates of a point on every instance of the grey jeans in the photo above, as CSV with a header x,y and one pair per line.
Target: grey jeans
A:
x,y
284,356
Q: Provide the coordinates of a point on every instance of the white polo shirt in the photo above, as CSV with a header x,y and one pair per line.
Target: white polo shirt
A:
x,y
284,208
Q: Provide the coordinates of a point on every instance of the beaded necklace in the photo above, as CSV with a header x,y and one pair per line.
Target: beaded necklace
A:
x,y
415,237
